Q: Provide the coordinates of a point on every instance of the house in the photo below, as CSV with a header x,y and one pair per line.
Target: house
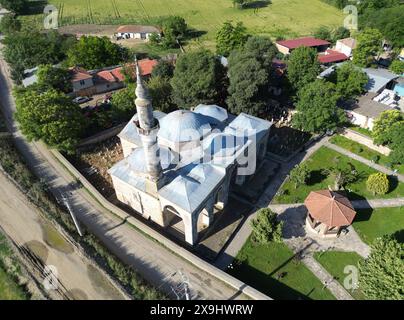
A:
x,y
332,56
379,79
179,167
346,46
287,46
136,32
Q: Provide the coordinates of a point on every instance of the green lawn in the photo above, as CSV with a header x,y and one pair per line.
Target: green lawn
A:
x,y
364,152
335,262
281,17
363,131
373,223
262,264
327,158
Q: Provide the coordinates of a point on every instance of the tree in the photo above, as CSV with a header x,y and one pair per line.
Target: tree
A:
x,y
230,37
266,227
163,69
340,33
396,136
383,124
161,92
123,103
369,44
317,109
17,6
54,77
10,24
195,79
382,273
350,81
95,52
50,116
341,175
175,25
323,33
378,183
299,175
303,67
250,76
397,67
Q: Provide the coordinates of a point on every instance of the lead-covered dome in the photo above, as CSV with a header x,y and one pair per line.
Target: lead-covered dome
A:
x,y
214,112
183,126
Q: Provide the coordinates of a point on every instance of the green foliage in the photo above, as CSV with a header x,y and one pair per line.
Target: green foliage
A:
x,y
230,37
303,67
163,69
54,77
382,273
383,124
369,45
123,103
266,227
378,183
196,79
396,135
323,33
340,4
250,74
350,81
174,28
50,116
299,175
161,93
10,24
341,174
317,109
17,6
397,67
95,52
340,33
25,50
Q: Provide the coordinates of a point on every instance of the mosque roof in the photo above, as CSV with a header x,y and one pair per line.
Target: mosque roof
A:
x,y
214,112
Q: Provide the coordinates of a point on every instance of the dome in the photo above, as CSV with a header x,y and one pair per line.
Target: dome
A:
x,y
136,160
218,114
183,126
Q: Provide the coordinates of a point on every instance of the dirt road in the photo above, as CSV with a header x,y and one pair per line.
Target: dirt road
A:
x,y
23,223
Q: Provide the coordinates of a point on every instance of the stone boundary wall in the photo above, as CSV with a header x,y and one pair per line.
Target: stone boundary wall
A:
x,y
102,136
190,257
365,140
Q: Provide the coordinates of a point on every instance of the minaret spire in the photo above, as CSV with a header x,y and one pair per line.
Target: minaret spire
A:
x,y
148,127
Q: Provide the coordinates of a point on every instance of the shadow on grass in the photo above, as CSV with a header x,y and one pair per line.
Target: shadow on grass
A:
x,y
35,7
393,183
257,4
399,236
316,176
363,215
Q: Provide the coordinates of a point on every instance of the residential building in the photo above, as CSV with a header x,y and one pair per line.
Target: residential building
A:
x,y
136,32
287,46
346,46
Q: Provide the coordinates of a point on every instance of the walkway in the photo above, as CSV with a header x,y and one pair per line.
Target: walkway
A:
x,y
365,161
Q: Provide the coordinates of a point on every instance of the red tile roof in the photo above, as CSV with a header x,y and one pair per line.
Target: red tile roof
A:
x,y
146,66
303,42
78,74
332,56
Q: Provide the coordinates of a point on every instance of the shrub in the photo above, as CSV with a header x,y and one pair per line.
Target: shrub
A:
x,y
266,227
375,158
378,183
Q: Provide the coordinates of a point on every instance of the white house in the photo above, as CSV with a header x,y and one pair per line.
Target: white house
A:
x,y
346,46
136,32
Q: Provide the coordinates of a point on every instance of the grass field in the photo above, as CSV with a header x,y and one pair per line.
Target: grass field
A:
x,y
335,262
364,151
262,264
373,223
281,17
326,158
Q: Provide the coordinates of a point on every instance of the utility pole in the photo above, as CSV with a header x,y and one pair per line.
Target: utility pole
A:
x,y
67,204
181,290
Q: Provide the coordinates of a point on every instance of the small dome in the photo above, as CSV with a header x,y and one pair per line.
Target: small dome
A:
x,y
215,112
183,126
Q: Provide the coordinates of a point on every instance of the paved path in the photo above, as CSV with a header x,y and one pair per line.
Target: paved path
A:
x,y
154,262
365,161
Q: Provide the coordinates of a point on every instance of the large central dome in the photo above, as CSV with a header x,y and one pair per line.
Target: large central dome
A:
x,y
183,126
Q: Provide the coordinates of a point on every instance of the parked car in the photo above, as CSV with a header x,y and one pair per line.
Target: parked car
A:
x,y
81,100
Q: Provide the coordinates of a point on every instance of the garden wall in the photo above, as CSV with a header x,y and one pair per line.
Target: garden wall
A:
x,y
102,136
200,263
365,140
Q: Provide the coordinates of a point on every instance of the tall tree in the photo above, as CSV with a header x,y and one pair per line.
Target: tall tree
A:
x,y
196,79
350,81
54,77
369,45
161,93
317,109
303,67
50,116
383,124
163,69
251,75
123,103
382,273
396,136
230,37
95,52
266,227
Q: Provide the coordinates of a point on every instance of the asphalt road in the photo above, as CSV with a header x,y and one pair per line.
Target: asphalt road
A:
x,y
154,262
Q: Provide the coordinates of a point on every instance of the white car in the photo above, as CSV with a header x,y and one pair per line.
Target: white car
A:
x,y
81,100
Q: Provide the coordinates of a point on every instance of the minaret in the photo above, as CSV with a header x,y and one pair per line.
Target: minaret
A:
x,y
148,127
